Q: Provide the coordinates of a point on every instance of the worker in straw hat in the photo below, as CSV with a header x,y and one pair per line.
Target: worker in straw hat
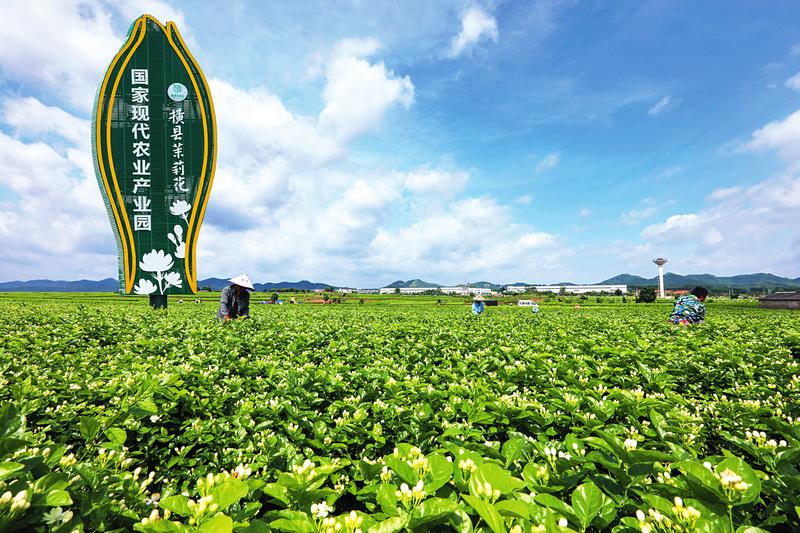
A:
x,y
477,305
234,302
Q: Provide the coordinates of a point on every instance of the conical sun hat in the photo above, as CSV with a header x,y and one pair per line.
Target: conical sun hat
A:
x,y
478,298
243,281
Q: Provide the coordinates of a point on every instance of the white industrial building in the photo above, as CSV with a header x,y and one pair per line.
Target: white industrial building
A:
x,y
516,288
460,290
580,289
345,290
408,290
368,291
463,290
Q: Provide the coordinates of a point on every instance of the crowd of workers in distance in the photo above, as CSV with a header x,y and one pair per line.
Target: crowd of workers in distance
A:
x,y
234,302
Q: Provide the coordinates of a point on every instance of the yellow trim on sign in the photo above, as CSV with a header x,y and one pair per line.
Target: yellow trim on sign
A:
x,y
129,279
202,212
99,148
191,271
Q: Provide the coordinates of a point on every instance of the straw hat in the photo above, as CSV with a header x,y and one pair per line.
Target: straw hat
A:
x,y
243,281
478,298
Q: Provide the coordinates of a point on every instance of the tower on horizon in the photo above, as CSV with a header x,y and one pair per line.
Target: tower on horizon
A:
x,y
660,262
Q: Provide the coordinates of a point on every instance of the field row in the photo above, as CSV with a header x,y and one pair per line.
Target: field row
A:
x,y
399,418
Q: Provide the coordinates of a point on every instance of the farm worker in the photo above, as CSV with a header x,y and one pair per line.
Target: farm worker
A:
x,y
690,309
234,302
535,307
292,300
477,305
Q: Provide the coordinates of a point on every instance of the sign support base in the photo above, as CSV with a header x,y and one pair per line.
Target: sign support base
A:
x,y
158,301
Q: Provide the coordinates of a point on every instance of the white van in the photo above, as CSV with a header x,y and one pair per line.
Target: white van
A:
x,y
528,303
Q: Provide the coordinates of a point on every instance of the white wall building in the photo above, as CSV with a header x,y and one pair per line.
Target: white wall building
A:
x,y
516,288
463,290
407,290
580,289
367,291
345,290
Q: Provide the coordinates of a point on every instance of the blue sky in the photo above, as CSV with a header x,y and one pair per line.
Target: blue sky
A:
x,y
362,142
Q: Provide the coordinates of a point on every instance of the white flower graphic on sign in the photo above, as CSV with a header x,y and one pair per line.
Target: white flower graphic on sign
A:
x,y
145,286
173,279
159,263
177,240
180,208
156,261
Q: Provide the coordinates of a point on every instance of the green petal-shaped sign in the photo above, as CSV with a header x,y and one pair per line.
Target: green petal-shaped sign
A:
x,y
154,144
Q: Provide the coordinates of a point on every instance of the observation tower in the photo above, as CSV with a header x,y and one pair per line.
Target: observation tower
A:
x,y
660,262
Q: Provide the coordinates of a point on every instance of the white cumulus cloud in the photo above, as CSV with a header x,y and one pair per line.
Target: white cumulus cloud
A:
x,y
436,181
793,82
781,135
476,25
358,93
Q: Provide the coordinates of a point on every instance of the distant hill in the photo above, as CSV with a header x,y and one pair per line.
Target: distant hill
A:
x,y
629,280
303,284
671,281
486,285
48,285
678,281
217,284
411,284
112,285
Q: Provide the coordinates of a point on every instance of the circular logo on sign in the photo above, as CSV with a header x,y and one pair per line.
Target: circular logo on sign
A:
x,y
177,92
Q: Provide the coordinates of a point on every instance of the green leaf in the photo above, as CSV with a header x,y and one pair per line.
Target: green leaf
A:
x,y
229,492
431,510
57,498
750,529
279,492
614,445
701,475
162,526
11,421
497,476
87,472
550,501
293,525
89,428
515,448
116,436
606,515
440,474
386,498
587,500
390,525
402,469
658,422
747,474
178,504
8,468
256,526
487,512
649,456
657,502
516,508
144,408
218,524
461,522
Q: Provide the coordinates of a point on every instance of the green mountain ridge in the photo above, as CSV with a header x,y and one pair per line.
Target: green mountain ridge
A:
x,y
759,280
415,283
